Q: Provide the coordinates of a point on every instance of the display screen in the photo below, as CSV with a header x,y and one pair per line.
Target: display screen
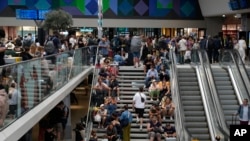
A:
x,y
243,4
41,14
26,14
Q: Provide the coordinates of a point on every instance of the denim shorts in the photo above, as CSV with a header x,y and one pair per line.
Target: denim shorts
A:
x,y
136,54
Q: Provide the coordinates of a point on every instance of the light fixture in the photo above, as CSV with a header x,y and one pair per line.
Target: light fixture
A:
x,y
223,15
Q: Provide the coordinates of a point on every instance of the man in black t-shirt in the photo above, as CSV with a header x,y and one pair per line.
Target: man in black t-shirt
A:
x,y
147,63
169,132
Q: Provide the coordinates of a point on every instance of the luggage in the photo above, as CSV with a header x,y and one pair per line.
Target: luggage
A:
x,y
234,117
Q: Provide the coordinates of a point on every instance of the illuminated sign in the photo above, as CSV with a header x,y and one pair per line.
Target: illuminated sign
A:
x,y
86,30
26,14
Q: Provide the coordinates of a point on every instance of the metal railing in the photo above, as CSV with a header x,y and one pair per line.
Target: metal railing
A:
x,y
182,133
213,91
89,119
213,121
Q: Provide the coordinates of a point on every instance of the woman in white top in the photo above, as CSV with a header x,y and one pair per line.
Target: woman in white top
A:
x,y
154,90
241,48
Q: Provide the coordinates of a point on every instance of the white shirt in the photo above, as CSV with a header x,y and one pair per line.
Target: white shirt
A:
x,y
72,41
245,114
242,44
137,100
14,98
183,44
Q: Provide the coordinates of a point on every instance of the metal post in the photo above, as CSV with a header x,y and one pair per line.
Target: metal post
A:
x,y
100,17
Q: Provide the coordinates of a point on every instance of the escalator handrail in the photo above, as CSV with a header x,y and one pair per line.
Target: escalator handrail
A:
x,y
242,69
205,101
239,94
214,94
89,122
182,131
213,102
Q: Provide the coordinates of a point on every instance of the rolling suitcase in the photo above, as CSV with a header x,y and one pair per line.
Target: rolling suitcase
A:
x,y
234,117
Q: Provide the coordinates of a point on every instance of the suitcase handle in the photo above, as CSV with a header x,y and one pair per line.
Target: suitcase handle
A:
x,y
234,117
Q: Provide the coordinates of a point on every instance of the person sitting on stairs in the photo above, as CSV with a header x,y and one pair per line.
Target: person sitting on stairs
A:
x,y
154,90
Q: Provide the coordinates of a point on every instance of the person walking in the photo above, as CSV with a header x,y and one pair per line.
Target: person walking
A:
x,y
126,119
136,43
138,105
244,112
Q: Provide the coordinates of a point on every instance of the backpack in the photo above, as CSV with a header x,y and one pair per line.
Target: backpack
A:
x,y
27,42
49,47
125,122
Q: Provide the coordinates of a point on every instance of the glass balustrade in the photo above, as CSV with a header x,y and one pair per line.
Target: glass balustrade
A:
x,y
28,83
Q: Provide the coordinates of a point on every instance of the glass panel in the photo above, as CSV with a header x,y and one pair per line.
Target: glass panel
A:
x,y
31,82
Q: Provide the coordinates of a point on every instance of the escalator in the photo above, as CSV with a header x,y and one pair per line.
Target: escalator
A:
x,y
225,92
192,103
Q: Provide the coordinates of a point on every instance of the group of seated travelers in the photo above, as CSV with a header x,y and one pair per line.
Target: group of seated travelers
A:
x,y
107,94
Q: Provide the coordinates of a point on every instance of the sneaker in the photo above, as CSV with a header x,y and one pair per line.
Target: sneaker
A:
x,y
118,98
151,99
137,120
140,127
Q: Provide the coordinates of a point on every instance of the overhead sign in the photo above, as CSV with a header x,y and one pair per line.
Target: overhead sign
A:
x,y
24,14
86,30
42,13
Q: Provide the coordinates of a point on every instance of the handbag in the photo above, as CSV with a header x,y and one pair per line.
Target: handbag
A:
x,y
142,99
97,118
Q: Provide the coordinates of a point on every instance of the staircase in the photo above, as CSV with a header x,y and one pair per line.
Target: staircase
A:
x,y
130,79
191,100
225,92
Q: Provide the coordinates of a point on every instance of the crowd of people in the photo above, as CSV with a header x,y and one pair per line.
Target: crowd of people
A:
x,y
157,84
151,53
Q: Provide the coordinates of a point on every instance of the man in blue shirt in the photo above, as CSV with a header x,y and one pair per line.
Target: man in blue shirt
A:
x,y
244,113
104,47
151,74
126,129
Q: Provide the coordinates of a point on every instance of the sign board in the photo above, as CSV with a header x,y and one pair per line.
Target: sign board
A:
x,y
41,14
26,14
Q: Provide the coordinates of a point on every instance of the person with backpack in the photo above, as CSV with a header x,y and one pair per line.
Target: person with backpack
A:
x,y
52,46
125,121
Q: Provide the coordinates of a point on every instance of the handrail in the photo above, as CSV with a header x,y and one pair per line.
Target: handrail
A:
x,y
215,128
182,132
213,93
205,101
237,84
89,122
242,69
